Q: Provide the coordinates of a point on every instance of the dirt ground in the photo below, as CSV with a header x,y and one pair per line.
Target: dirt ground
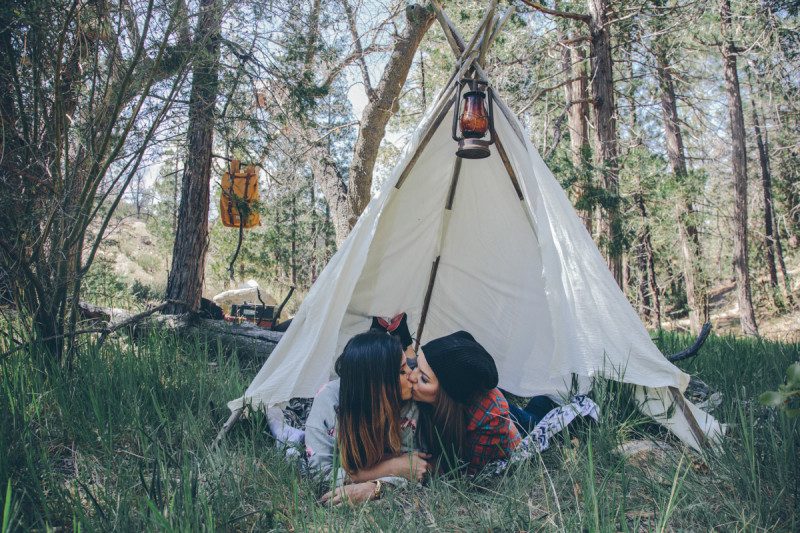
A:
x,y
773,323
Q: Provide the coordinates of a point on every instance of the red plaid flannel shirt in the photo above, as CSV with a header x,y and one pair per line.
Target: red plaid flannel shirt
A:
x,y
491,434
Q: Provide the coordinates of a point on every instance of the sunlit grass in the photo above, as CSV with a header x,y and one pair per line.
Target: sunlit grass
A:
x,y
122,442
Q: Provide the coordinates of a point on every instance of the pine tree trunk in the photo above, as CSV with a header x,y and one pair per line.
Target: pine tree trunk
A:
x,y
294,238
772,238
739,160
787,286
606,149
766,183
688,237
175,203
186,276
645,257
645,305
648,288
651,268
577,102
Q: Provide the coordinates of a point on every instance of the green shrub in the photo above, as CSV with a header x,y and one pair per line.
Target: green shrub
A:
x,y
787,397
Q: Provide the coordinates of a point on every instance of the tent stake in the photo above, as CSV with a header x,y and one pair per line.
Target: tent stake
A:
x,y
235,415
677,397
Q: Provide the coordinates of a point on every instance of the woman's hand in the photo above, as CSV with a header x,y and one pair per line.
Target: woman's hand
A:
x,y
413,466
352,494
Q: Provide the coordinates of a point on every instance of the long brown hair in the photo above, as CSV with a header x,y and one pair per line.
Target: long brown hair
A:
x,y
443,429
368,418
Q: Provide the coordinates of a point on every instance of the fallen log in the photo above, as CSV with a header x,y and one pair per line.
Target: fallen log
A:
x,y
248,340
117,319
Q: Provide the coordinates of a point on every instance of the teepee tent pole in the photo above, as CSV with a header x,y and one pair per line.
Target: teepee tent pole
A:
x,y
235,415
501,151
453,184
435,267
464,53
499,26
466,62
678,399
427,302
487,32
443,112
457,43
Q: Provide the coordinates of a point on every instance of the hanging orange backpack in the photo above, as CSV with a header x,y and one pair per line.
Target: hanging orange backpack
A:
x,y
239,199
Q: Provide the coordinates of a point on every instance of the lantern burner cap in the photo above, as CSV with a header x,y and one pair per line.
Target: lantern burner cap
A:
x,y
473,149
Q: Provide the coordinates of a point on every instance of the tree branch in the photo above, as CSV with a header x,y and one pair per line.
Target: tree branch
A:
x,y
563,14
362,64
103,331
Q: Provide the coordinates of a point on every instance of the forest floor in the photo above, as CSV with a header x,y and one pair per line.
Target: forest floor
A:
x,y
773,323
121,442
134,254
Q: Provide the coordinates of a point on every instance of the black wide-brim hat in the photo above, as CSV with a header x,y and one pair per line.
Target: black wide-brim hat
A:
x,y
462,365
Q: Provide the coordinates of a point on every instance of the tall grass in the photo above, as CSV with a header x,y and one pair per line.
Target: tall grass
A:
x,y
122,443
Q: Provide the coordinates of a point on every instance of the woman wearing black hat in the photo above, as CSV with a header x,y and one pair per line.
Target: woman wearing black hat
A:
x,y
463,415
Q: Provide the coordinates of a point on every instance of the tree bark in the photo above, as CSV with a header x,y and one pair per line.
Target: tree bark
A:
x,y
766,183
648,288
187,273
772,240
577,102
348,201
605,131
688,236
739,163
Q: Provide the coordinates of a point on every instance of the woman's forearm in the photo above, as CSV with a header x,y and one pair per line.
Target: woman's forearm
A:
x,y
386,468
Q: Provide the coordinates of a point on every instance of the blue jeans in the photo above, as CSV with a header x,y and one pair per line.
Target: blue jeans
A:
x,y
526,419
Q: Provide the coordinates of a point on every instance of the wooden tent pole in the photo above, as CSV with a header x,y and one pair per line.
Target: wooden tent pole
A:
x,y
435,267
466,61
453,184
454,38
457,43
235,415
487,32
677,397
443,112
427,302
451,40
500,25
501,151
463,52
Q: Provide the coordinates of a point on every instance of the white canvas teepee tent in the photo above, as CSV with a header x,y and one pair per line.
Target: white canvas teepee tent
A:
x,y
494,247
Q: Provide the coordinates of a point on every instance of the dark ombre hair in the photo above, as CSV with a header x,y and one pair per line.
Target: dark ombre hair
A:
x,y
443,430
368,419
